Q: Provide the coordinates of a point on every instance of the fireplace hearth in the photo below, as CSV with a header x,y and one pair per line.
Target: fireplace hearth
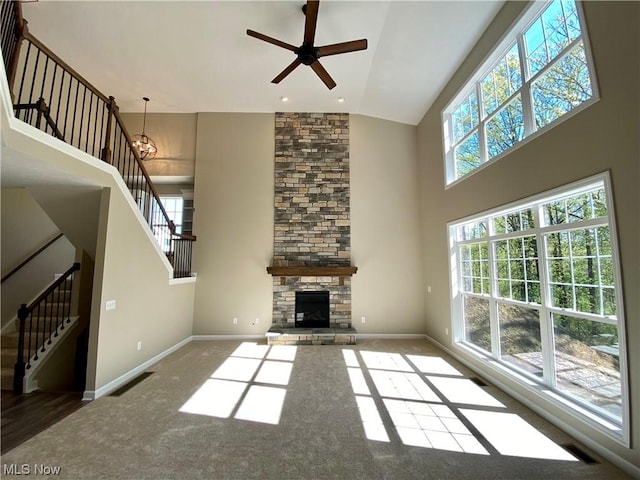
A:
x,y
312,309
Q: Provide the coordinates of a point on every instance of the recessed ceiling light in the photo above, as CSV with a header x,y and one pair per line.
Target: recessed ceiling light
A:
x,y
284,99
340,99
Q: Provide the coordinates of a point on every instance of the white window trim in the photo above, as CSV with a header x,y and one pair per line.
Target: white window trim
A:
x,y
511,36
579,411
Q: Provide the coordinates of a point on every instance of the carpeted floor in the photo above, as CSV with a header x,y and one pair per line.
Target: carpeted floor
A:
x,y
382,409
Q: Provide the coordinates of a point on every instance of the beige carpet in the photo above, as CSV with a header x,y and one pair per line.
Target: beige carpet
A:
x,y
385,409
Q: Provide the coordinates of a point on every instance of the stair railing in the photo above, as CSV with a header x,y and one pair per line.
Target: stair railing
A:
x,y
51,96
26,261
40,322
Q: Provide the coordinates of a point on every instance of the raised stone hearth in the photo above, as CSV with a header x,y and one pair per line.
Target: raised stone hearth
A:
x,y
312,244
311,336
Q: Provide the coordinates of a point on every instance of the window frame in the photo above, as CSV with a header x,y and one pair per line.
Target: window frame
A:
x,y
514,35
541,387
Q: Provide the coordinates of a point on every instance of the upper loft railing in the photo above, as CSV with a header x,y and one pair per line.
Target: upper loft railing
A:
x,y
51,96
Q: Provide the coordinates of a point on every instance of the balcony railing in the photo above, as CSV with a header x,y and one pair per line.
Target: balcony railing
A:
x,y
51,96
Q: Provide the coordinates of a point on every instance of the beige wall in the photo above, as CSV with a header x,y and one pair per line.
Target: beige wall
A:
x,y
385,235
602,137
233,221
129,270
234,225
175,138
25,228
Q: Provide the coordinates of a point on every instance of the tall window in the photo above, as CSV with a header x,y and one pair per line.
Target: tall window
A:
x,y
538,74
535,287
174,207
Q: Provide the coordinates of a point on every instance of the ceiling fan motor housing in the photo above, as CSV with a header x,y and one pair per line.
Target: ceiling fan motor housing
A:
x,y
307,53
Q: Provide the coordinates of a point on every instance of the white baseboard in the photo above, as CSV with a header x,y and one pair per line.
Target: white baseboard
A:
x,y
123,379
227,337
611,456
391,336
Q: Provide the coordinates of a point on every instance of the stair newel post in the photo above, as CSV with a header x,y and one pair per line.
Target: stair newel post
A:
x,y
42,109
106,150
19,369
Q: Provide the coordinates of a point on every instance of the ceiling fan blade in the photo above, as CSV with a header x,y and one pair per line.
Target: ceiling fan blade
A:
x,y
311,11
271,40
323,74
343,47
287,71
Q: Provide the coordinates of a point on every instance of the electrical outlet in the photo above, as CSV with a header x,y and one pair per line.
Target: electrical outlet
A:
x,y
446,331
429,289
235,320
363,320
110,305
257,321
139,344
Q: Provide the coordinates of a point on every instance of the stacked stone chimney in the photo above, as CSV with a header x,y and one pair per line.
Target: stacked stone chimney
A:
x,y
312,219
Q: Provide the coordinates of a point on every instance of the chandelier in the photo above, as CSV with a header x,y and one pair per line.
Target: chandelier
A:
x,y
141,142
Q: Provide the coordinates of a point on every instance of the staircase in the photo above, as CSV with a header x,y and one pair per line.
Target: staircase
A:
x,y
82,116
43,323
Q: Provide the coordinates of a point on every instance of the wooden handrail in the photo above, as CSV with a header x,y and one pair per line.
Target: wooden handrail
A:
x,y
62,63
145,174
31,257
136,154
26,341
53,286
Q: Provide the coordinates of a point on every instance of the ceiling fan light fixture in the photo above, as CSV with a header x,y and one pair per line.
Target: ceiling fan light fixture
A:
x,y
307,53
145,146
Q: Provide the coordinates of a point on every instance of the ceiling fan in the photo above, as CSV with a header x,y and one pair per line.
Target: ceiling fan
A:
x,y
308,53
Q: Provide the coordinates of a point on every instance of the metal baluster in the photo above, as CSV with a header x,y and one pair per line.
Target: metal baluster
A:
x,y
84,98
48,306
24,75
36,345
75,110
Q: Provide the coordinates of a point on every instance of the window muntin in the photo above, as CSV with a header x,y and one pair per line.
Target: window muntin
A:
x,y
551,267
506,128
474,268
538,74
465,117
502,81
516,272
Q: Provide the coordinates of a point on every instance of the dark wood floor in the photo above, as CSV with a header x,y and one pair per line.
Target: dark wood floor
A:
x,y
24,416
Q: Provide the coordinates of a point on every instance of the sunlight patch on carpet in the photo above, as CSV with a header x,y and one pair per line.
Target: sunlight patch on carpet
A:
x,y
513,436
231,390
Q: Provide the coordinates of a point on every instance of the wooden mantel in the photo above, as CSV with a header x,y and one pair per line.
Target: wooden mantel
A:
x,y
308,271
303,271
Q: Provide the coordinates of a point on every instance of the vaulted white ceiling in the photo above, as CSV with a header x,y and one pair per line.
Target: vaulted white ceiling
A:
x,y
195,56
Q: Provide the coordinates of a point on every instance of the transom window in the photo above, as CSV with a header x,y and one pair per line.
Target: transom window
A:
x,y
535,287
539,73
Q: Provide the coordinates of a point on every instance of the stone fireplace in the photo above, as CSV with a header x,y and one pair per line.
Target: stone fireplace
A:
x,y
312,241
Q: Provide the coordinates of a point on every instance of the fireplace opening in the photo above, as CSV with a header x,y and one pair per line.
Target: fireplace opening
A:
x,y
312,309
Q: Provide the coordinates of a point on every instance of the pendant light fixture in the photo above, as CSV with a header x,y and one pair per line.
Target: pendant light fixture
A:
x,y
141,142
